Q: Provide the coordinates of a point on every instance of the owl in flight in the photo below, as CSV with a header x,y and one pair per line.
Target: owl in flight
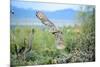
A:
x,y
53,29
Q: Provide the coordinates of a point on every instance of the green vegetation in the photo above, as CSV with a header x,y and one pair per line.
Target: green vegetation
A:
x,y
78,39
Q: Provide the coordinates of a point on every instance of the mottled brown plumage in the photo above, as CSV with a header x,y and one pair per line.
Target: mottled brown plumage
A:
x,y
58,35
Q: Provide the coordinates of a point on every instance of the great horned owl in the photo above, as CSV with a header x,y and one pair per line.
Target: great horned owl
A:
x,y
58,35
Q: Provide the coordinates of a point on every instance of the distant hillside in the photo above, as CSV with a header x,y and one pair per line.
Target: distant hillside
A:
x,y
61,14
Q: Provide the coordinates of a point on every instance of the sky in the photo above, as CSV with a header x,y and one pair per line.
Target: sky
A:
x,y
25,12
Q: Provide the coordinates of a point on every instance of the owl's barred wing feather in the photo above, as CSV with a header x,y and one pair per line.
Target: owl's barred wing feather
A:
x,y
46,21
58,35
